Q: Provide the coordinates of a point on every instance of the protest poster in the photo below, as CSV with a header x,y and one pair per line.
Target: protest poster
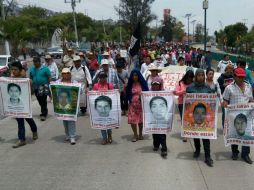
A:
x,y
104,108
239,125
158,111
16,97
200,116
65,98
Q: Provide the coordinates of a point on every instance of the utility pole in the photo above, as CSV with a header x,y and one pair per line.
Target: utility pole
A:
x,y
120,25
193,25
6,43
205,7
188,17
73,5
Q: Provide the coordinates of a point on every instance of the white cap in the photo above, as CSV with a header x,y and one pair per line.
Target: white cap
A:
x,y
104,62
76,58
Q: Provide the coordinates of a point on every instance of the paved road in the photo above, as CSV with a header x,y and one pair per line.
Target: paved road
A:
x,y
49,163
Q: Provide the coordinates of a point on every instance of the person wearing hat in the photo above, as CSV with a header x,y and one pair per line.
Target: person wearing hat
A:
x,y
93,64
67,59
111,73
238,92
84,60
154,70
69,125
158,61
40,76
159,103
199,86
49,62
82,75
103,85
111,61
248,77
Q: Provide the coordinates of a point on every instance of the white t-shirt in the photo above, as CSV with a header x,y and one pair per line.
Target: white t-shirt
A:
x,y
222,65
144,67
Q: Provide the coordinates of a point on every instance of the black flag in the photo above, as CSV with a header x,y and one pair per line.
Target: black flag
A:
x,y
135,41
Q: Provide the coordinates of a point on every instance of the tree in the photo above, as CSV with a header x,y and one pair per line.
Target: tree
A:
x,y
134,11
199,33
167,29
178,31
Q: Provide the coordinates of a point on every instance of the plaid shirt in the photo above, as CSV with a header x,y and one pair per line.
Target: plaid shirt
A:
x,y
234,95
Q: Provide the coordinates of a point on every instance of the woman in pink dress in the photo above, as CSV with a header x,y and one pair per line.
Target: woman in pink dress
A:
x,y
136,84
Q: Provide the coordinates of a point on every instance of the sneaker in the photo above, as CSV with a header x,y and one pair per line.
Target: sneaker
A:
x,y
43,118
35,136
209,162
19,143
247,159
73,141
164,154
196,154
67,139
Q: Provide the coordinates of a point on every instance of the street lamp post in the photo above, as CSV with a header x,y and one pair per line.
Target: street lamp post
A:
x,y
73,5
188,17
205,7
193,34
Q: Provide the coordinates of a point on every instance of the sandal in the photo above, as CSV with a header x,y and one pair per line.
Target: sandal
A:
x,y
104,142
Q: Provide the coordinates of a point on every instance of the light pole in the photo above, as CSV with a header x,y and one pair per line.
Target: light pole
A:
x,y
205,7
193,34
6,43
73,5
188,17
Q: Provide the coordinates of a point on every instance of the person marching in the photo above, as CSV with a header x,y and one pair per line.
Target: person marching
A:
x,y
180,91
199,86
16,70
159,139
238,92
136,84
69,126
103,85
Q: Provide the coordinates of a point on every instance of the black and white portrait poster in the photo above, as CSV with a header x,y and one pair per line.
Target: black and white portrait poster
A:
x,y
239,125
104,108
16,97
158,109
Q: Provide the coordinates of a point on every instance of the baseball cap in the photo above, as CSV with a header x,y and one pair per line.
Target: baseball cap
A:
x,y
239,72
47,56
76,58
66,70
157,80
102,74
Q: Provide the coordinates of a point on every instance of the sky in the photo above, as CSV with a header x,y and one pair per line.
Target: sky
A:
x,y
219,14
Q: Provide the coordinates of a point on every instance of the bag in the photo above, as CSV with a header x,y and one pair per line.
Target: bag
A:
x,y
43,90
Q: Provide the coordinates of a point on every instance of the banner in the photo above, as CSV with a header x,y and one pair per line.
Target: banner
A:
x,y
158,111
65,100
239,125
16,97
200,116
104,108
135,41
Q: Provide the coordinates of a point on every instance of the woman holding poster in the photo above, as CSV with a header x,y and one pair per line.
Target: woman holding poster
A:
x,y
103,104
136,84
161,109
199,86
16,69
181,91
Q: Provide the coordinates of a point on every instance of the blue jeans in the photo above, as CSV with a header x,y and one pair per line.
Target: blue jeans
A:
x,y
21,127
105,133
70,128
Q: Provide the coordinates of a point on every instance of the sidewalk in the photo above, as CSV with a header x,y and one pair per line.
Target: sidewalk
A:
x,y
49,163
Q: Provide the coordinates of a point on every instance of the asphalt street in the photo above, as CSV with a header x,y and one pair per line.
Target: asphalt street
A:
x,y
49,163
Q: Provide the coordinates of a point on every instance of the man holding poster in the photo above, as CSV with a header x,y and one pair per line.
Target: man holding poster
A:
x,y
199,115
239,92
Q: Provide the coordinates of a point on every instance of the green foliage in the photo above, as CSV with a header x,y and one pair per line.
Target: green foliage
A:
x,y
134,11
